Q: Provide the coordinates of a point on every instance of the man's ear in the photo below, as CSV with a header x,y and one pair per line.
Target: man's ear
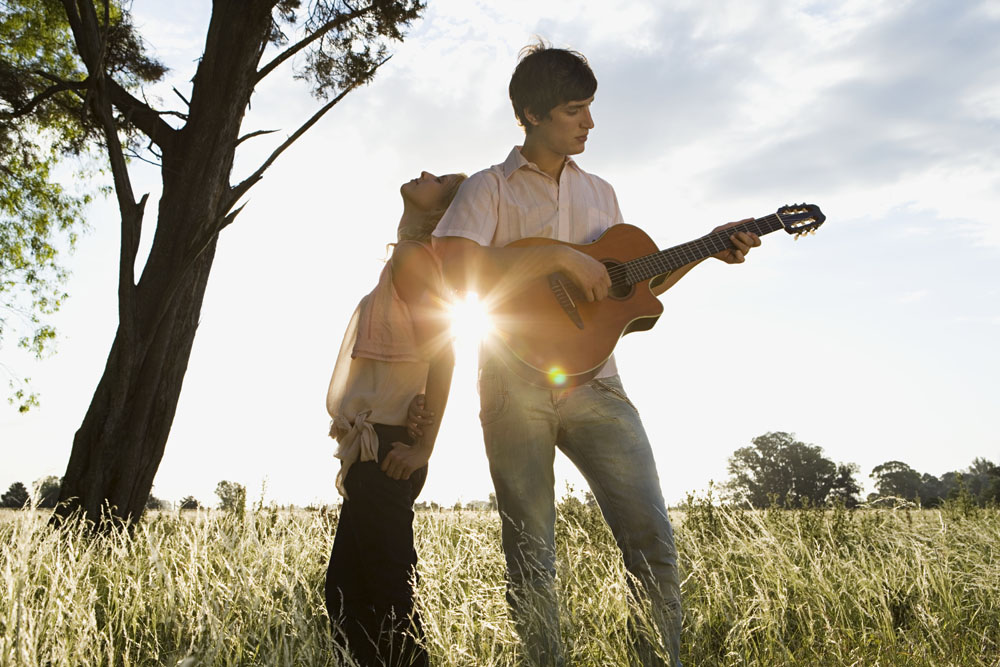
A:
x,y
533,119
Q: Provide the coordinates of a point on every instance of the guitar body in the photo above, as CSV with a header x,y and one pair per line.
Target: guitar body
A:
x,y
539,339
551,336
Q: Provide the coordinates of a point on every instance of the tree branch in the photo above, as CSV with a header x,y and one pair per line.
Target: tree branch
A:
x,y
247,183
183,99
90,44
147,120
178,114
132,154
58,87
252,135
199,245
322,30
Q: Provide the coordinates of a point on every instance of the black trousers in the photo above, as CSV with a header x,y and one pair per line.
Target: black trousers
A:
x,y
369,589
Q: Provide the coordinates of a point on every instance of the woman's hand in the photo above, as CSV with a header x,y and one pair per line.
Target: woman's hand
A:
x,y
404,459
417,417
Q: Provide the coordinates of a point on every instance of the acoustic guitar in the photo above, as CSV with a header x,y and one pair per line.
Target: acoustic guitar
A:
x,y
549,334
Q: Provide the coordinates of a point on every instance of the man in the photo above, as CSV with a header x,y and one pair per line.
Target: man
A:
x,y
540,191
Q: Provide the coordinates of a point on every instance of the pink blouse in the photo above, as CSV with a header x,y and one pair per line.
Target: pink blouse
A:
x,y
379,369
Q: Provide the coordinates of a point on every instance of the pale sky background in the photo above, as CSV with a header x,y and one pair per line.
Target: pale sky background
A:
x,y
875,339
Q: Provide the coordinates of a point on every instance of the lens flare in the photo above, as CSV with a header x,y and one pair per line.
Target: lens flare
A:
x,y
470,320
557,376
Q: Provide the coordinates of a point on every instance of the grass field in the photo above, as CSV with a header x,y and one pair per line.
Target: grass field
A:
x,y
806,587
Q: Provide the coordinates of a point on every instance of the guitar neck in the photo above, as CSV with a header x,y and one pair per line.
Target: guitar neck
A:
x,y
665,261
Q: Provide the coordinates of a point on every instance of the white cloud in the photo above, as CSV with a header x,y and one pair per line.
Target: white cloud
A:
x,y
915,296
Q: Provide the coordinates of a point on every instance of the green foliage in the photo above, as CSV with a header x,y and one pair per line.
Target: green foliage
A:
x,y
895,478
189,503
347,56
43,124
154,503
232,497
16,497
46,492
46,116
35,212
778,469
978,485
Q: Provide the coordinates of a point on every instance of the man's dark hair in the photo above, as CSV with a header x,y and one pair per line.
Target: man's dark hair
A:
x,y
546,77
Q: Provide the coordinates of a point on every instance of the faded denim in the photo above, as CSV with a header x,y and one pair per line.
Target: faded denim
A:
x,y
599,429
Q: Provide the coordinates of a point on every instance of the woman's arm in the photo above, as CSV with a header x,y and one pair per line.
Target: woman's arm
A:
x,y
415,279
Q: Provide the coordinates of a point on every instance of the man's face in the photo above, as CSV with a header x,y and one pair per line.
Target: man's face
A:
x,y
565,130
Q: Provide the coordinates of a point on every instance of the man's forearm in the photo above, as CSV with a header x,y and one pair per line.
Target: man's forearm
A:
x,y
469,266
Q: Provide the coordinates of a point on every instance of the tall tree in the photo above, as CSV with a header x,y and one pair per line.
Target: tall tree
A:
x,y
16,496
46,492
895,478
340,45
232,496
154,503
189,503
983,480
778,468
845,488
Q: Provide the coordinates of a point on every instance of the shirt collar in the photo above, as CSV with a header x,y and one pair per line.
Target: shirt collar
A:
x,y
515,161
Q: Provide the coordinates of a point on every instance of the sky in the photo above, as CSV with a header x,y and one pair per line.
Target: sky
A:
x,y
875,338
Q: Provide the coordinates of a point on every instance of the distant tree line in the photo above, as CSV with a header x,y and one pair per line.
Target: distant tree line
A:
x,y
895,479
777,470
45,495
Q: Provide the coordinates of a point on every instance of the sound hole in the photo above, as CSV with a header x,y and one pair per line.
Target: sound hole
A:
x,y
620,288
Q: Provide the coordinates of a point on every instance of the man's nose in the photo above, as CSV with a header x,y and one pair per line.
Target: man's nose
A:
x,y
588,120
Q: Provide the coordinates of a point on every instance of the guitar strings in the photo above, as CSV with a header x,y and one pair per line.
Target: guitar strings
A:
x,y
639,269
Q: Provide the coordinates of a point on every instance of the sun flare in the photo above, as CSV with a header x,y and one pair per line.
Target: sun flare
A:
x,y
470,320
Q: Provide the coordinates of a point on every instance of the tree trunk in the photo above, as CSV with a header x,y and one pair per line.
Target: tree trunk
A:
x,y
118,448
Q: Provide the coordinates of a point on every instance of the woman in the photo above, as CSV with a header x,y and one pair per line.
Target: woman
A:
x,y
396,347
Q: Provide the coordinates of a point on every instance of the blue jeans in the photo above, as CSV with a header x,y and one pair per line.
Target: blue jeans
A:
x,y
599,429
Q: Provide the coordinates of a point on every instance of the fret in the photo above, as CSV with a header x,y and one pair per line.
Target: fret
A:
x,y
643,268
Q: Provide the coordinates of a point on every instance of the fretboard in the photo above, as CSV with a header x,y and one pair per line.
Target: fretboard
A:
x,y
664,261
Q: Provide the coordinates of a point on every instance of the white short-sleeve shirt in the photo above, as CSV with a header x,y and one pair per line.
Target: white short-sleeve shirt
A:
x,y
515,199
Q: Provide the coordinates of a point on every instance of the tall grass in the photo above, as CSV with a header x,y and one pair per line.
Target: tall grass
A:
x,y
806,587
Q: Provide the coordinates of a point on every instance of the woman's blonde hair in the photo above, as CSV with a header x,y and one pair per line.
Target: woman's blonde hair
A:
x,y
421,230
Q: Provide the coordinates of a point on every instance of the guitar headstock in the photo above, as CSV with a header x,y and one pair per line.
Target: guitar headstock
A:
x,y
799,219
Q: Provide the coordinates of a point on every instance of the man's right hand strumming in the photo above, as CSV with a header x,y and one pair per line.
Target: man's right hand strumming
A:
x,y
589,275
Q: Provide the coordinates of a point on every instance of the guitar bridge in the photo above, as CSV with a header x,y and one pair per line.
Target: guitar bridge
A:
x,y
562,288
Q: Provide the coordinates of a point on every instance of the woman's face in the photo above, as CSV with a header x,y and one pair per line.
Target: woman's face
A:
x,y
427,192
